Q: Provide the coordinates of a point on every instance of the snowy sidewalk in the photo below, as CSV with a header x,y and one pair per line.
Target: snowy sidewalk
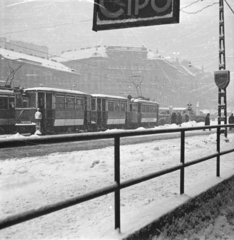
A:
x,y
33,182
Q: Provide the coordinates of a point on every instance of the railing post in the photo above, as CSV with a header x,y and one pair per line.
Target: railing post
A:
x,y
182,161
218,150
117,181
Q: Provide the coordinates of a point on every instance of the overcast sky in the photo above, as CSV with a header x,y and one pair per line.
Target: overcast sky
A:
x,y
67,25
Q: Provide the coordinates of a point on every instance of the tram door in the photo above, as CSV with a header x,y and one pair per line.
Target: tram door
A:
x,y
41,100
101,113
48,112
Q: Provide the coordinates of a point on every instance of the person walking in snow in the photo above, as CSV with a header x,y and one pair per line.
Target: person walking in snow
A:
x,y
231,121
173,118
207,121
178,119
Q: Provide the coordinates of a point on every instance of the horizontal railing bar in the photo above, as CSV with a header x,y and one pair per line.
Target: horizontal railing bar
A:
x,y
226,152
41,211
201,159
25,141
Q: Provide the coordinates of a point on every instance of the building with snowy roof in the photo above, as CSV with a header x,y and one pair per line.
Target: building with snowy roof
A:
x,y
24,70
123,71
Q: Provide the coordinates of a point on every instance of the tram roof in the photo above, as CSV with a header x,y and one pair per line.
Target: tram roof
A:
x,y
55,90
108,96
6,92
136,100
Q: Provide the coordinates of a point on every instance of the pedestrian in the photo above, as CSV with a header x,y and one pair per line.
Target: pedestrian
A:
x,y
207,121
38,118
173,118
231,121
179,119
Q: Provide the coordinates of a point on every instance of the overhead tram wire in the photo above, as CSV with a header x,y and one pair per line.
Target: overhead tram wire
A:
x,y
190,4
200,9
229,6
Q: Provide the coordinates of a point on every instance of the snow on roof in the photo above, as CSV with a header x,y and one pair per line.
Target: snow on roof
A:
x,y
143,101
58,90
24,58
82,53
6,92
108,96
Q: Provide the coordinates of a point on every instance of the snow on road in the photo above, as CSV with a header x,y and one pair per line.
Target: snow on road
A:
x,y
36,181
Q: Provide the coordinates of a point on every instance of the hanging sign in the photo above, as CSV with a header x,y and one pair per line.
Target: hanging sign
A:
x,y
222,78
115,14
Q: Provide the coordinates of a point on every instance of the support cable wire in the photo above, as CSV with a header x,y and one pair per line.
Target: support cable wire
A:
x,y
229,6
200,9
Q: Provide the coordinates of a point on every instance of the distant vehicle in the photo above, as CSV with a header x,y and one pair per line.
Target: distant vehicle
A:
x,y
166,112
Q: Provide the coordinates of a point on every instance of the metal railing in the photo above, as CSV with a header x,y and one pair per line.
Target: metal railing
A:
x,y
117,185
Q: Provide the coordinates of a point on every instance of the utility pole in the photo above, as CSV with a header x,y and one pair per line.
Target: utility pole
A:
x,y
222,96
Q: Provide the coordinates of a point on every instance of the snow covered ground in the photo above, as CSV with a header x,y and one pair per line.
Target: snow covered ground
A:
x,y
36,181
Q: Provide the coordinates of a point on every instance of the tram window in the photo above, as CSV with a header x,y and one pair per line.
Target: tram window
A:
x,y
93,104
99,104
25,102
134,108
147,108
12,103
31,98
111,106
60,102
143,108
80,104
117,106
70,103
123,107
48,100
3,103
130,107
88,103
19,101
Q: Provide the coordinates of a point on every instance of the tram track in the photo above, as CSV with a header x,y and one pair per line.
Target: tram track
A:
x,y
46,149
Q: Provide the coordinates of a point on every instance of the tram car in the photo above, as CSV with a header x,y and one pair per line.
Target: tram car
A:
x,y
7,111
62,110
142,113
108,112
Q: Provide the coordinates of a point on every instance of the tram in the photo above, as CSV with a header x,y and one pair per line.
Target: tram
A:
x,y
62,110
7,111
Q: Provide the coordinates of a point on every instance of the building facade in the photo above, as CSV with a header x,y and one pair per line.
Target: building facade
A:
x,y
113,70
135,71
